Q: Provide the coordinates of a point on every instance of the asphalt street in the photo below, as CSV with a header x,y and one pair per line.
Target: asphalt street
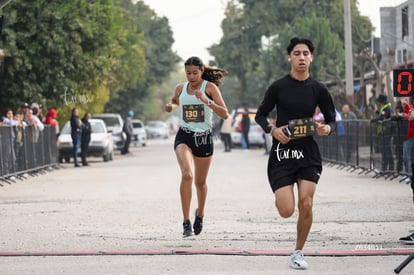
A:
x,y
124,217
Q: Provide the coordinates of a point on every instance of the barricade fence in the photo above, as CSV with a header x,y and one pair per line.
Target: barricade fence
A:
x,y
357,144
369,146
27,149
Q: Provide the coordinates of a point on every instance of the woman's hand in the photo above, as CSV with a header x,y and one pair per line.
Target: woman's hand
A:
x,y
199,95
168,107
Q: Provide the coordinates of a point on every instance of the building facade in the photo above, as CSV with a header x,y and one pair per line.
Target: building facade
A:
x,y
397,36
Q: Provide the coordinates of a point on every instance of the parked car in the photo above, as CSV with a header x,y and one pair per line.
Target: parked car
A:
x,y
114,123
255,133
140,135
101,144
157,129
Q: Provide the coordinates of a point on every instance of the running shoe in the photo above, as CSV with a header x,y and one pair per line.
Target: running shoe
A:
x,y
297,261
187,228
408,240
198,223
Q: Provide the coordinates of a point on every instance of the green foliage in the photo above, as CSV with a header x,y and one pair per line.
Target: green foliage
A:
x,y
143,98
115,55
83,54
55,47
256,33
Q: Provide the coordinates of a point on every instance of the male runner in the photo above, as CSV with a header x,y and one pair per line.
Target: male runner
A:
x,y
295,155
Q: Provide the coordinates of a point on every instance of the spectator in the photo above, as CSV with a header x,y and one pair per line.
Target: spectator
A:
x,y
76,127
225,130
40,113
318,116
397,118
384,131
408,144
23,108
33,120
8,118
410,238
349,128
128,130
7,142
245,122
347,114
36,111
50,119
19,149
340,132
18,117
85,137
412,181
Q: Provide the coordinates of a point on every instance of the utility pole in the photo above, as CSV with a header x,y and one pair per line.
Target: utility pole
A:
x,y
3,3
349,74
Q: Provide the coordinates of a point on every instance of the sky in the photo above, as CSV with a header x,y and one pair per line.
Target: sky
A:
x,y
196,24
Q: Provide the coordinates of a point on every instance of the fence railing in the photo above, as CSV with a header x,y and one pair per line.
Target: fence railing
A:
x,y
369,146
26,149
360,145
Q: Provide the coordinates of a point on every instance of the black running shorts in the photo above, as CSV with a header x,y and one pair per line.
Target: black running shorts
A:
x,y
201,144
293,161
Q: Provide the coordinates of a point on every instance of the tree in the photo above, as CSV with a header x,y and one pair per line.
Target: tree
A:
x,y
159,62
256,32
76,49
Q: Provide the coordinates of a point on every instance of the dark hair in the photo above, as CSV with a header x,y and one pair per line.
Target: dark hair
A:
x,y
382,99
211,74
7,110
300,40
35,110
86,115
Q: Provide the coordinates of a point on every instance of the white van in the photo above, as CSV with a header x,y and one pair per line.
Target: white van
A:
x,y
114,123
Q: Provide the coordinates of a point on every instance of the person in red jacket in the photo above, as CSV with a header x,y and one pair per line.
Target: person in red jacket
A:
x,y
51,119
408,150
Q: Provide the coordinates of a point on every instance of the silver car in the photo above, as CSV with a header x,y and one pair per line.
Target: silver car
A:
x,y
101,144
157,129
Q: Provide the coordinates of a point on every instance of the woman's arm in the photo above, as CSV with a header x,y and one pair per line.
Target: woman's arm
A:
x,y
175,101
217,104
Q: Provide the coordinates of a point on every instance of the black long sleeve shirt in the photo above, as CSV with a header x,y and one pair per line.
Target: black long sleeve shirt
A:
x,y
295,99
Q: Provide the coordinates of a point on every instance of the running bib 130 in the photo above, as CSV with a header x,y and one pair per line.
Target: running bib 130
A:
x,y
193,113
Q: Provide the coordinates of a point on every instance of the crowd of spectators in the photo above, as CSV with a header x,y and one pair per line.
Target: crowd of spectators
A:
x,y
29,115
17,127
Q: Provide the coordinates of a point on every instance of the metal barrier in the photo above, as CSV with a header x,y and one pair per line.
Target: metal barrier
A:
x,y
360,145
367,146
26,150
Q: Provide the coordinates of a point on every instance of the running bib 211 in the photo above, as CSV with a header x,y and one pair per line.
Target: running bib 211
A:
x,y
302,127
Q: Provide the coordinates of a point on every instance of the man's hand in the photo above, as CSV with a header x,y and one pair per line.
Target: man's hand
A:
x,y
323,129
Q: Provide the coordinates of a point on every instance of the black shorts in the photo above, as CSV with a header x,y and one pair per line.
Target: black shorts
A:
x,y
201,144
293,161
